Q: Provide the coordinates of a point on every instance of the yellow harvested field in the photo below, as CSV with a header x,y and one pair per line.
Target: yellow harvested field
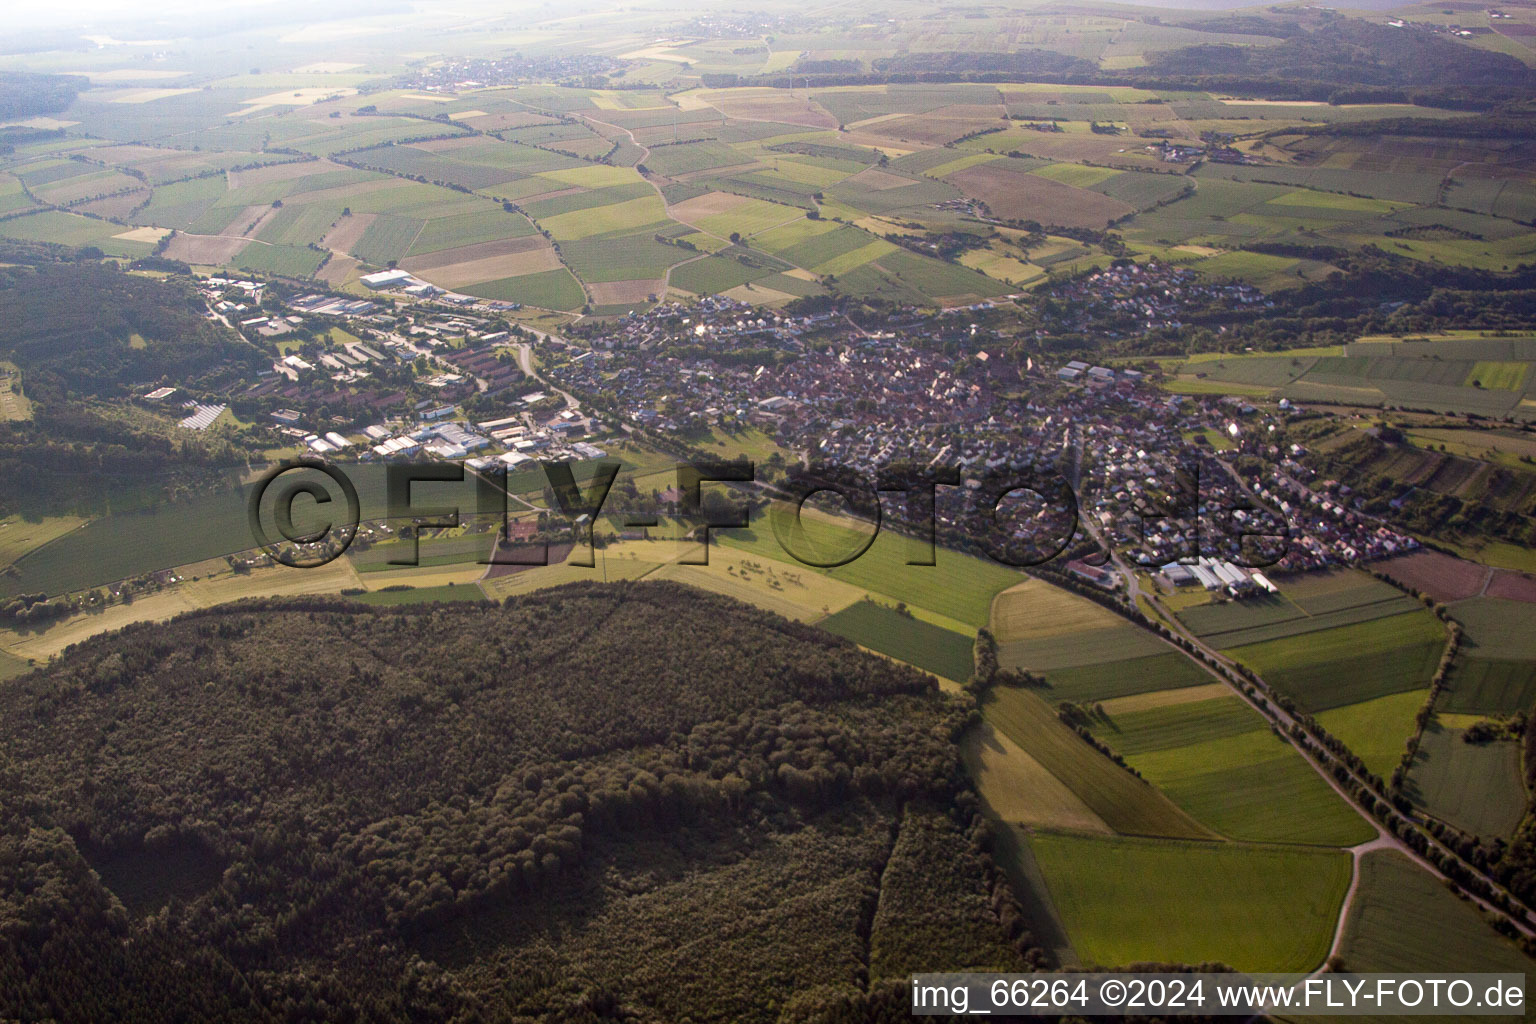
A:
x,y
800,274
282,172
1035,609
278,581
150,235
475,251
467,115
792,591
490,268
691,101
293,98
205,249
655,53
249,221
614,293
145,95
710,204
879,180
348,231
594,176
878,119
1001,266
423,576
1019,789
759,294
338,269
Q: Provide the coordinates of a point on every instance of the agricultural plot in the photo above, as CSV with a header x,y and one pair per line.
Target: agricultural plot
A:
x,y
1012,192
1218,759
282,260
1434,380
779,587
714,275
690,157
550,289
1330,668
958,590
386,238
1018,789
1304,606
1125,803
1102,680
1489,686
1495,670
617,218
1084,651
428,552
1127,901
487,225
1475,786
469,265
1376,730
1403,919
745,161
943,652
626,258
64,229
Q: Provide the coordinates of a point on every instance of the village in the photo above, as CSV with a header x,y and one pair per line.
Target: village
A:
x,y
417,376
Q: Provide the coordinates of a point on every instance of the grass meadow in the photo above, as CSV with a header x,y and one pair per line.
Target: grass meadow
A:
x,y
1256,908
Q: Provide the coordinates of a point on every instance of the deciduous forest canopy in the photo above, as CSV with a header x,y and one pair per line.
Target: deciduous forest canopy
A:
x,y
626,800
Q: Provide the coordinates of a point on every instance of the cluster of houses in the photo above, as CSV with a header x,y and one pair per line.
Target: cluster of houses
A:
x,y
862,400
1133,298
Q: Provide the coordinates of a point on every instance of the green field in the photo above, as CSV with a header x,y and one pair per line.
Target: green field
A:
x,y
1126,900
1486,686
1219,761
1376,730
469,229
959,587
1476,787
1404,920
1348,664
12,666
1500,376
715,274
1497,627
1125,803
1103,680
941,651
284,260
550,289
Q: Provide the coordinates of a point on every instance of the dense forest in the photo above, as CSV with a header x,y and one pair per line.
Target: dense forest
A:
x,y
1372,292
89,329
1321,56
633,801
25,94
1351,51
86,336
